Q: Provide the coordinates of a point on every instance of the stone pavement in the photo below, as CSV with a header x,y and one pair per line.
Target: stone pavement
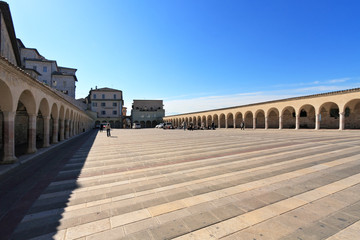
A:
x,y
222,184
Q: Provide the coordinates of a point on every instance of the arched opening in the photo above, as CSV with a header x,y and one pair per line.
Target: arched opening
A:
x,y
203,121
199,121
112,124
25,124
61,124
6,105
238,119
329,116
97,123
42,125
222,121
260,119
209,121
154,123
248,120
288,118
307,117
117,124
352,114
273,118
142,124
230,120
39,130
216,121
148,124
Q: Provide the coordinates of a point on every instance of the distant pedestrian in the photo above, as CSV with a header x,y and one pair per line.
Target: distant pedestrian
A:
x,y
101,127
242,125
213,125
108,128
184,125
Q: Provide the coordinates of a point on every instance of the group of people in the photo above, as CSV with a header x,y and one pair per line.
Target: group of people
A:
x,y
191,127
107,127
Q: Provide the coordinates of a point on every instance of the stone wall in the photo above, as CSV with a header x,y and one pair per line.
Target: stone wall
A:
x,y
6,46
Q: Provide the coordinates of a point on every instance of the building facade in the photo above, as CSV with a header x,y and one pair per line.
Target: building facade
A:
x,y
148,113
47,71
108,104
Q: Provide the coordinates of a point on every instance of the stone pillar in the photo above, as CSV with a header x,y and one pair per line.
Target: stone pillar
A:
x,y
254,123
46,132
226,123
55,131
234,121
280,123
342,121
62,130
9,137
297,122
32,134
266,123
66,129
317,121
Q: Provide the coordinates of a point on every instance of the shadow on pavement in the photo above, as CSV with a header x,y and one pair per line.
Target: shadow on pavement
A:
x,y
20,190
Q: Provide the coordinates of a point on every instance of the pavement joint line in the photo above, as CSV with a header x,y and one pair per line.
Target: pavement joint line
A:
x,y
146,192
191,201
350,233
74,192
257,216
159,167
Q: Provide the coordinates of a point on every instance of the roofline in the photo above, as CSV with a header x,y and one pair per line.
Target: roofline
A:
x,y
32,49
5,10
275,101
68,68
109,90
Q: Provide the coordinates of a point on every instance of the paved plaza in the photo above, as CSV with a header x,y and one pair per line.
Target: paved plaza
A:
x,y
222,184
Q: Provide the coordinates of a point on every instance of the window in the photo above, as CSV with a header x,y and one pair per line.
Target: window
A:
x,y
94,96
45,69
103,104
114,96
94,104
64,83
114,112
103,112
114,104
103,96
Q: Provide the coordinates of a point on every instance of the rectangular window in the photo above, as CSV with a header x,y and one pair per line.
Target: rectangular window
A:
x,y
114,112
94,96
103,96
114,96
114,104
103,112
45,69
103,104
94,104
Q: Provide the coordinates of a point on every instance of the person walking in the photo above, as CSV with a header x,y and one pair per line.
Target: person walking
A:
x,y
184,124
108,128
213,125
242,125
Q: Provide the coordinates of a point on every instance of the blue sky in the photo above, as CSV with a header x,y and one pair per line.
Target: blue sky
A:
x,y
198,55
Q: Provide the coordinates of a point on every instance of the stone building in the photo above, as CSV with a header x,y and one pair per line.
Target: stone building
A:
x,y
32,114
108,104
148,113
47,71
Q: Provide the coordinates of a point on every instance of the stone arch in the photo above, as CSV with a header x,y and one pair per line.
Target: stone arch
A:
x,y
273,118
112,123
199,121
117,124
238,119
222,123
230,120
216,120
352,114
329,117
288,117
6,99
260,119
203,121
42,124
25,124
142,124
307,116
154,123
209,121
248,119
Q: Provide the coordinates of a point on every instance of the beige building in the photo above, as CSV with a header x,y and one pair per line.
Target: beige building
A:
x,y
32,114
47,71
333,110
108,104
148,113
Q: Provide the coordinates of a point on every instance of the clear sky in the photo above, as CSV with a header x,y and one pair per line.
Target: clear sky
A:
x,y
198,54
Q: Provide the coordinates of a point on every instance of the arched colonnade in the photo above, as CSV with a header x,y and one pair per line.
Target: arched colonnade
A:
x,y
335,110
33,115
